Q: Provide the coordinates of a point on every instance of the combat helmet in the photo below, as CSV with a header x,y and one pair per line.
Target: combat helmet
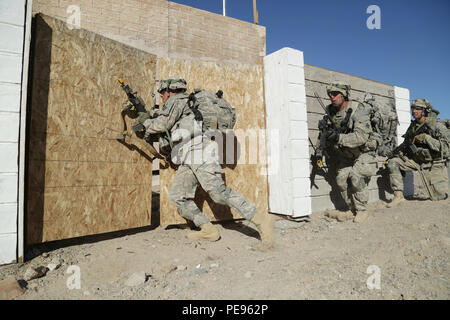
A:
x,y
425,105
174,84
342,88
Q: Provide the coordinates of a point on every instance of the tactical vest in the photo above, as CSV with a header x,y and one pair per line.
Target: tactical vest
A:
x,y
185,128
339,117
437,131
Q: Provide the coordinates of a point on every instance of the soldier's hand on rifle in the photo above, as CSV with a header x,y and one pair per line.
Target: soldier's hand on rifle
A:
x,y
420,138
322,124
332,135
143,116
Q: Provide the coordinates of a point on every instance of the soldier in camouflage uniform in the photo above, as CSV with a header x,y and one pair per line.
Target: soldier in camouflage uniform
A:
x,y
199,166
431,138
352,150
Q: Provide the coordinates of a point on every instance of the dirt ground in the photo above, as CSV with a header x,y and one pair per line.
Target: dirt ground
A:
x,y
405,248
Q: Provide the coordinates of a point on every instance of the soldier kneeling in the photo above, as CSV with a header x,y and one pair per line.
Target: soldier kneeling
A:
x,y
425,148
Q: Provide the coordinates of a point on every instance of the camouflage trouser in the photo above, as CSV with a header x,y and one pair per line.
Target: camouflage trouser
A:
x,y
435,175
209,177
353,177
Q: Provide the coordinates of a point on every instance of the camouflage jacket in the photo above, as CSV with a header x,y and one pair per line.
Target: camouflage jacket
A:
x,y
435,145
356,138
178,127
173,111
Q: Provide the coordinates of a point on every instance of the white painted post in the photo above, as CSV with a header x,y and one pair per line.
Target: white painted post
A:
x,y
287,133
13,82
402,106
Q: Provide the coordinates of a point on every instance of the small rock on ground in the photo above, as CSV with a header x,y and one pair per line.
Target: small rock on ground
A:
x,y
34,273
136,279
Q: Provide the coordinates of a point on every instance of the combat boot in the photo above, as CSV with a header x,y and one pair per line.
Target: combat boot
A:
x,y
397,199
265,224
208,232
344,216
361,216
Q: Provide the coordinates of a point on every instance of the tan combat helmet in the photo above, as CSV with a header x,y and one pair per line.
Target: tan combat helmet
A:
x,y
174,84
425,105
421,103
342,88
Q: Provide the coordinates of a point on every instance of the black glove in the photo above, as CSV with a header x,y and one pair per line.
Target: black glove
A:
x,y
143,116
322,124
332,135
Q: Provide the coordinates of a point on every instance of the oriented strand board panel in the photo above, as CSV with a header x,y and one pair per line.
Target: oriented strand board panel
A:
x,y
243,88
81,180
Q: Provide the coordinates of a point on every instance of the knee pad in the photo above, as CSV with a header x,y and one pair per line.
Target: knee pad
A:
x,y
342,183
358,183
392,165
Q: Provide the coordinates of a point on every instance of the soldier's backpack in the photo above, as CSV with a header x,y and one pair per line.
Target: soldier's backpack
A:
x,y
384,126
215,112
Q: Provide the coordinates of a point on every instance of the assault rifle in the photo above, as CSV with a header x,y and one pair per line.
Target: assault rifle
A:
x,y
408,145
410,148
137,105
316,166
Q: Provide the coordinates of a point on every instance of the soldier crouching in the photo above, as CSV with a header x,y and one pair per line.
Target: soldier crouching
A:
x,y
351,147
425,149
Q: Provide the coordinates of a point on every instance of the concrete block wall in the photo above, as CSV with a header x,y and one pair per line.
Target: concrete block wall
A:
x,y
287,133
12,114
204,35
138,23
165,28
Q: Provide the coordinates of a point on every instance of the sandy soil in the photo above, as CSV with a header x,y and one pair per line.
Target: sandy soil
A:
x,y
314,258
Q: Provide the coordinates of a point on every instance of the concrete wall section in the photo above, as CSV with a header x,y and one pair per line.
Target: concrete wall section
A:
x,y
195,33
324,192
12,22
287,133
165,28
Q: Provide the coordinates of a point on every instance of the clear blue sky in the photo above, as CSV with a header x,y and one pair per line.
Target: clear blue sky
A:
x,y
411,50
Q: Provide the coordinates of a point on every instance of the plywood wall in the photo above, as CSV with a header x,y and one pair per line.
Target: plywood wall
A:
x,y
81,180
243,88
